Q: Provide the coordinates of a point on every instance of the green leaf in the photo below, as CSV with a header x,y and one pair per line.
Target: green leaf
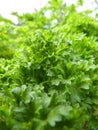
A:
x,y
65,110
54,116
50,73
95,101
55,82
16,91
80,2
85,86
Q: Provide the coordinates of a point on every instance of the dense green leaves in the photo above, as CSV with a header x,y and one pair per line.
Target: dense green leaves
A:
x,y
49,70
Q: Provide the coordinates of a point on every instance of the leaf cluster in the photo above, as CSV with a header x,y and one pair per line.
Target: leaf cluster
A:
x,y
49,70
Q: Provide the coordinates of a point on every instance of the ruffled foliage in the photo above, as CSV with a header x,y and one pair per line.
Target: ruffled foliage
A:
x,y
49,70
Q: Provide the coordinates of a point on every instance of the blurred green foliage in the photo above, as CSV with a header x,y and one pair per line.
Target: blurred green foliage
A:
x,y
49,70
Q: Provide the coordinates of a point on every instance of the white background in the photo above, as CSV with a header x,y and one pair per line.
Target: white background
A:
x,y
23,6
